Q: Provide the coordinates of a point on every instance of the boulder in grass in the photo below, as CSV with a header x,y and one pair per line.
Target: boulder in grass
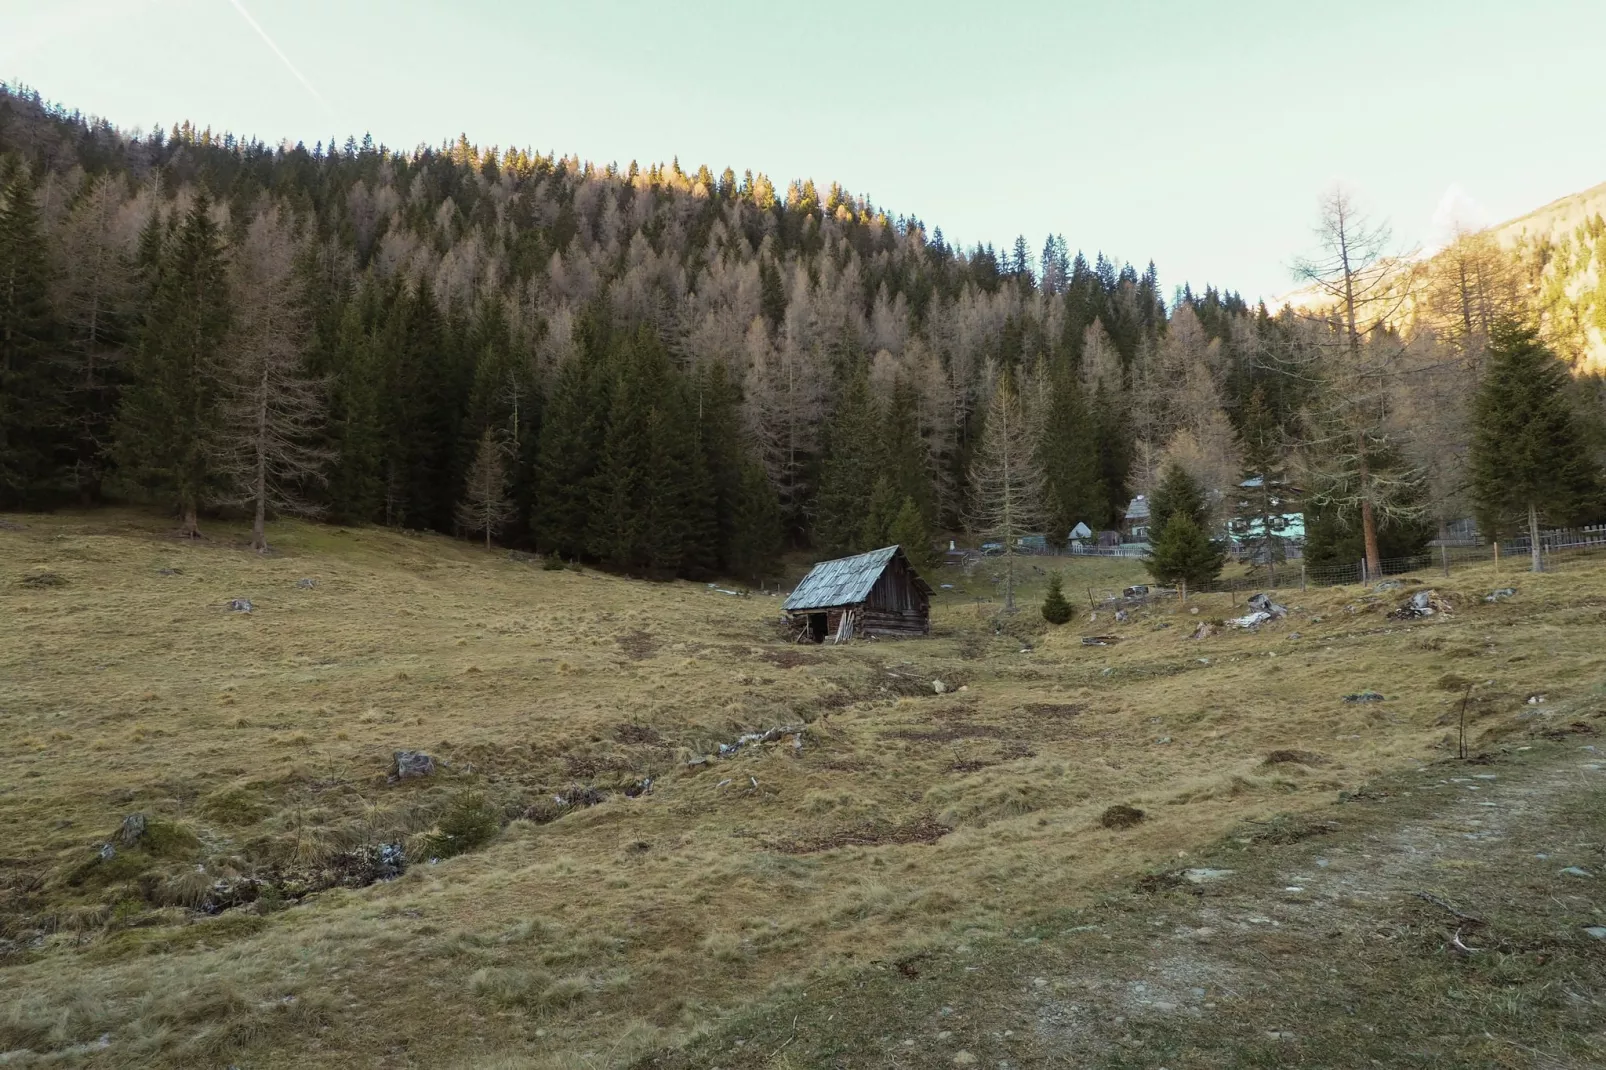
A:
x,y
412,763
133,830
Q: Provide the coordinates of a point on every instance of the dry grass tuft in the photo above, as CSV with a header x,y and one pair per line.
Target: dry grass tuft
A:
x,y
1121,816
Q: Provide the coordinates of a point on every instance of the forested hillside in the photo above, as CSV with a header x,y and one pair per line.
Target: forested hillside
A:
x,y
657,369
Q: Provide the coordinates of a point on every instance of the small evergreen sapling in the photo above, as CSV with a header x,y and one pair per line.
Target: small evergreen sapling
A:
x,y
1056,610
908,530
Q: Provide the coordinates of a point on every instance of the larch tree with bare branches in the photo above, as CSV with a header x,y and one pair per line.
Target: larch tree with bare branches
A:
x,y
1005,480
485,506
1353,434
273,408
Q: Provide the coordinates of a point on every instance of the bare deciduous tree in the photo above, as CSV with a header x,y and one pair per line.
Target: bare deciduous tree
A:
x,y
485,506
1354,434
1005,481
273,407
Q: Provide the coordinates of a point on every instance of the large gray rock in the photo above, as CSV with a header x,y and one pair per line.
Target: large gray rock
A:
x,y
412,763
133,830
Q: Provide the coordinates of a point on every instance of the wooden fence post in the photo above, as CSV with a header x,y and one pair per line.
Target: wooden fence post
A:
x,y
1497,557
1302,575
1444,555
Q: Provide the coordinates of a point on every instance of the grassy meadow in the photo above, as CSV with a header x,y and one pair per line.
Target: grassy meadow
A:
x,y
900,820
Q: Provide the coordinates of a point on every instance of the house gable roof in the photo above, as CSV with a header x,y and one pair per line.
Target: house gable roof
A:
x,y
846,580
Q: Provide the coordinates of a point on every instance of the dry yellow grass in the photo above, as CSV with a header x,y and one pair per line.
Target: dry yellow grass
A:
x,y
624,926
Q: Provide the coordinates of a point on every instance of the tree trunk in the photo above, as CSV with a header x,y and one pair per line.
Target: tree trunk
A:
x,y
1533,539
259,489
1374,559
1009,576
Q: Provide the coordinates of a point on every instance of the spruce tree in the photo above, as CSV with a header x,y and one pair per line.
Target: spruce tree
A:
x,y
716,415
908,530
1069,455
97,298
32,406
1183,552
1530,457
1180,547
616,517
1260,505
755,540
1056,610
166,439
904,457
357,479
879,515
1178,493
848,477
569,454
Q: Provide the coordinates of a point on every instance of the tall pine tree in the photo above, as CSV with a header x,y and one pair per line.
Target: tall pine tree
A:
x,y
1530,457
32,406
1261,501
166,438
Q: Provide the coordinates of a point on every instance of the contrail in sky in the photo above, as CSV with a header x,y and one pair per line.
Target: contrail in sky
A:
x,y
291,67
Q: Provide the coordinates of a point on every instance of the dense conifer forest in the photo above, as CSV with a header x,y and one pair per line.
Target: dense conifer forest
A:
x,y
662,370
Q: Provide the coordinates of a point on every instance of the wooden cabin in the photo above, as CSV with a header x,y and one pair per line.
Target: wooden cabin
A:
x,y
878,593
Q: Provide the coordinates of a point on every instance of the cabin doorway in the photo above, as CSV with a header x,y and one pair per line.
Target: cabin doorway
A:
x,y
817,627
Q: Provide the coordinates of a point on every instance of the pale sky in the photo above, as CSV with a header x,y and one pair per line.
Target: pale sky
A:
x,y
1197,134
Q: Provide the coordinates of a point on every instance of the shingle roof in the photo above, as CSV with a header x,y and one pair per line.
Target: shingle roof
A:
x,y
843,582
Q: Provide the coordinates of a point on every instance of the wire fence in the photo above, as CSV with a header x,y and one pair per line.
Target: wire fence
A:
x,y
1444,558
1555,546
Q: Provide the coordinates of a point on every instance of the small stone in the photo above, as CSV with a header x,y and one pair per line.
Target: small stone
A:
x,y
939,687
1575,871
1206,876
306,584
240,605
964,1058
1039,982
1597,931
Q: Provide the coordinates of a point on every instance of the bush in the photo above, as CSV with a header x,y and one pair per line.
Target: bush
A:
x,y
1056,610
